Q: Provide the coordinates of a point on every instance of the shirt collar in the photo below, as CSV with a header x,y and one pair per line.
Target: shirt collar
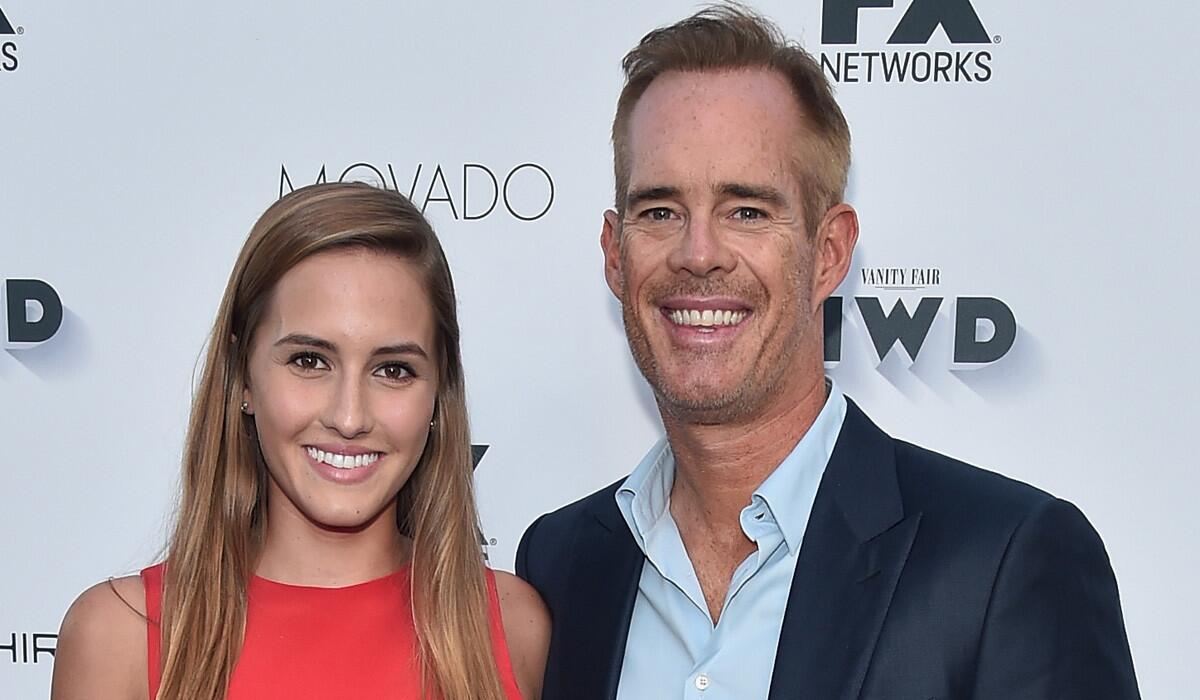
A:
x,y
644,497
788,492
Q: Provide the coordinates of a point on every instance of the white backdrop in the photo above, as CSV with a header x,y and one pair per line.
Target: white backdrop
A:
x,y
141,140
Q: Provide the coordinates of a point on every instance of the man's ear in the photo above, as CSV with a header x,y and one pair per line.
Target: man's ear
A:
x,y
610,243
833,249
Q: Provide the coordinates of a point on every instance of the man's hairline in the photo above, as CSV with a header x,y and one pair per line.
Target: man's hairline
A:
x,y
810,140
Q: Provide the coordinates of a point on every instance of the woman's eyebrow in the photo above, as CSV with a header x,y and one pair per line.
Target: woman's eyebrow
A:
x,y
306,340
311,341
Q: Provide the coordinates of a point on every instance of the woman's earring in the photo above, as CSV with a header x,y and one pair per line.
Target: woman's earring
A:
x,y
246,407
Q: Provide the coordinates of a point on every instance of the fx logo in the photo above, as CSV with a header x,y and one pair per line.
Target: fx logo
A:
x,y
6,27
477,453
839,21
8,49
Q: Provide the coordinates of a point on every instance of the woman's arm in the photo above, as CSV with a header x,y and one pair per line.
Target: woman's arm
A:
x,y
101,653
527,630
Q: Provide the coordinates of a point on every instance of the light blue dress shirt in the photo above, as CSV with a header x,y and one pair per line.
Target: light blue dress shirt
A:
x,y
674,651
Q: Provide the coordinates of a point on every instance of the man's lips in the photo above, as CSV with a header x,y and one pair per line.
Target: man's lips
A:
x,y
704,312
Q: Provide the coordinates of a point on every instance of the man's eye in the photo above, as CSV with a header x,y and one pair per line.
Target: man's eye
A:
x,y
657,214
749,214
395,371
308,361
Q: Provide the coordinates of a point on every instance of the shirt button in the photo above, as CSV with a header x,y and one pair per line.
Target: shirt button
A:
x,y
702,681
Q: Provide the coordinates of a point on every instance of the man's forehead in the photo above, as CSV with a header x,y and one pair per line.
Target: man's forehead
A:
x,y
705,129
677,96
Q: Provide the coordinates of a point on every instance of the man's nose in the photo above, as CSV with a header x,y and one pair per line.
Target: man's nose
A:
x,y
702,249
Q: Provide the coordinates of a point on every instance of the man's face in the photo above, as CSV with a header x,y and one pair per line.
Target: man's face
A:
x,y
710,258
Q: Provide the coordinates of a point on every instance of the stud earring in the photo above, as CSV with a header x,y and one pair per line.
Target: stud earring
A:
x,y
246,407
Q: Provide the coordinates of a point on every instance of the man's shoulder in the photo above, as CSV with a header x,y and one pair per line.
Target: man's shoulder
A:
x,y
553,539
931,477
934,484
599,501
973,503
971,519
565,520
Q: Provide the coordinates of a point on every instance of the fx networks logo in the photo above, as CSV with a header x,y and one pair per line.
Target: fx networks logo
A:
x,y
470,192
967,59
984,328
477,453
8,46
33,312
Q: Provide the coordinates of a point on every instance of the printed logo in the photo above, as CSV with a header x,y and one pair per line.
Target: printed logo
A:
x,y
28,647
8,46
881,63
33,312
984,331
477,453
470,191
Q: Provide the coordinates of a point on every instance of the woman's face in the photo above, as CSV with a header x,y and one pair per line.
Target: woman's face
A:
x,y
342,385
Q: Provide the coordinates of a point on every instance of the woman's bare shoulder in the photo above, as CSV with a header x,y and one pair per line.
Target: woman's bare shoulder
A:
x,y
101,650
527,631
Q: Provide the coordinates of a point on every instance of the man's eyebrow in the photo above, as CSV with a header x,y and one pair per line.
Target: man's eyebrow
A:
x,y
310,341
763,193
647,194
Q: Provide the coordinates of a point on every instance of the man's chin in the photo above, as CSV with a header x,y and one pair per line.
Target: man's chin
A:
x,y
701,404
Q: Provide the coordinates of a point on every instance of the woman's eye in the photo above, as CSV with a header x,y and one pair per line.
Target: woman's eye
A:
x,y
308,362
395,371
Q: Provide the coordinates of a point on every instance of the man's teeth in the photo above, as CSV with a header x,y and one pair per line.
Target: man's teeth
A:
x,y
707,317
340,461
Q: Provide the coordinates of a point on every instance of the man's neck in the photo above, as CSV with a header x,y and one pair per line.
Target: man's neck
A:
x,y
718,467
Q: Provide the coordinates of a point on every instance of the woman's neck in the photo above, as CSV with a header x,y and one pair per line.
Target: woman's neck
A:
x,y
298,551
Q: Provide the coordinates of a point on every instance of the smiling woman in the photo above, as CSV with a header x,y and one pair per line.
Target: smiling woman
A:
x,y
342,395
327,537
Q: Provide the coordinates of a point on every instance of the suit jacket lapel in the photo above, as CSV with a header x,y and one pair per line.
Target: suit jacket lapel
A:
x,y
855,546
606,570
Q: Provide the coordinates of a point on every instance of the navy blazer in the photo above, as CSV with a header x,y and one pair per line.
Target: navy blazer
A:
x,y
919,577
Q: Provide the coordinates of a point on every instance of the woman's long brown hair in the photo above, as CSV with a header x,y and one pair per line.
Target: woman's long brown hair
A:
x,y
221,520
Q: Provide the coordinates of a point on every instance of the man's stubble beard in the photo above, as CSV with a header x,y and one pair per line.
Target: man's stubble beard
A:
x,y
735,404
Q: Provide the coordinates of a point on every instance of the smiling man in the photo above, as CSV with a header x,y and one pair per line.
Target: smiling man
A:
x,y
776,544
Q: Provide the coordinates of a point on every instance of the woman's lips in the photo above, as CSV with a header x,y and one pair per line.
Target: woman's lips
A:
x,y
342,464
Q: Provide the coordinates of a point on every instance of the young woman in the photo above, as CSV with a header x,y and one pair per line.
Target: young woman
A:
x,y
327,543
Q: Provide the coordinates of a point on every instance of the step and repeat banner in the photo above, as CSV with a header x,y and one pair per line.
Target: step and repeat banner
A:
x,y
1022,297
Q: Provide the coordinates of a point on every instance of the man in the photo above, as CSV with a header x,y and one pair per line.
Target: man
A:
x,y
777,544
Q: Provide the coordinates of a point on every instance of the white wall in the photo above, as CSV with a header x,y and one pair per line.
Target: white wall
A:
x,y
141,140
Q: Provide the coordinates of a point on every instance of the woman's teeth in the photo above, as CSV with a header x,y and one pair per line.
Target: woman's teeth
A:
x,y
707,317
340,461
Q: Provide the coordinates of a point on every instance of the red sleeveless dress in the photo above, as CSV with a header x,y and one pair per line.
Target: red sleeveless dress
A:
x,y
327,643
